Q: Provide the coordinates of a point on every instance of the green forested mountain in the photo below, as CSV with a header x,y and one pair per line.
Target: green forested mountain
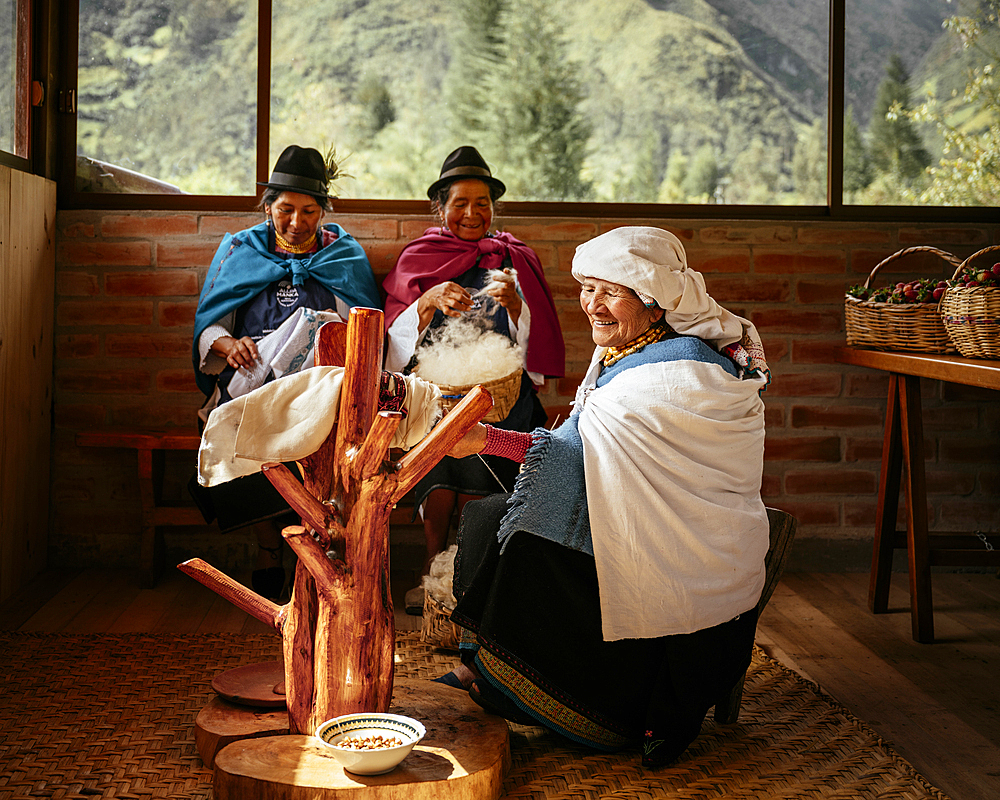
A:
x,y
639,100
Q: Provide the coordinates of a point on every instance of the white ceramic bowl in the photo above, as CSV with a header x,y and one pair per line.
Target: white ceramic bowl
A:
x,y
370,762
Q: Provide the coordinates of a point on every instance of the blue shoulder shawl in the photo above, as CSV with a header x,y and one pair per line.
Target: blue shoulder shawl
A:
x,y
243,266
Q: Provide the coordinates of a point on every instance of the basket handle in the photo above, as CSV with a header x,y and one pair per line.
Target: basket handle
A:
x,y
949,257
971,258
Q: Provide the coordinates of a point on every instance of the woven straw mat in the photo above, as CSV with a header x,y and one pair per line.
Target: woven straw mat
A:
x,y
112,716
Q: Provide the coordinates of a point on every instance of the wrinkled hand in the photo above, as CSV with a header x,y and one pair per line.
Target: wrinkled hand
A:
x,y
237,352
449,297
505,293
473,442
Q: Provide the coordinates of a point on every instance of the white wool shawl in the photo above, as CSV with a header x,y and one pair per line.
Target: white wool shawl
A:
x,y
288,419
673,458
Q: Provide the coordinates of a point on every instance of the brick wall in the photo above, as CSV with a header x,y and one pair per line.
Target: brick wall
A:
x,y
127,287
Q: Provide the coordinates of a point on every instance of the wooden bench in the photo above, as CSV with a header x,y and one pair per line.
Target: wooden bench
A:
x,y
150,446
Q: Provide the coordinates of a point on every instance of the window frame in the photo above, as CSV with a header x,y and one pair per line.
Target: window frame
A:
x,y
23,72
834,210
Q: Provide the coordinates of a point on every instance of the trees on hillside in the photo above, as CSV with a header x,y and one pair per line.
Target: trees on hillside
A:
x,y
894,144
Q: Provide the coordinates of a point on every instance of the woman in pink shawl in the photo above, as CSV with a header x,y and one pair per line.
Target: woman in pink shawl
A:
x,y
436,277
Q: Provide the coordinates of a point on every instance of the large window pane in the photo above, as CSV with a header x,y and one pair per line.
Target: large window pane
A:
x,y
14,77
922,123
599,100
167,96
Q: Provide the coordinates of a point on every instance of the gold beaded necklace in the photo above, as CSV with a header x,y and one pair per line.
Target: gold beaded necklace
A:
x,y
295,249
650,335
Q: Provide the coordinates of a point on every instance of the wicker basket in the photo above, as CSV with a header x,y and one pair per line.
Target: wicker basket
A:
x,y
504,392
913,327
971,315
437,629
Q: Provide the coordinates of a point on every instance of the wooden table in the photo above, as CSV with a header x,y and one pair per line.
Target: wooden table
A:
x,y
904,443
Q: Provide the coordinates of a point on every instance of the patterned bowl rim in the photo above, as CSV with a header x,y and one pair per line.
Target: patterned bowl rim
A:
x,y
410,728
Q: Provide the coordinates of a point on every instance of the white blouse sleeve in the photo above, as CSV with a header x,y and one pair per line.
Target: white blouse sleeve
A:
x,y
404,336
210,363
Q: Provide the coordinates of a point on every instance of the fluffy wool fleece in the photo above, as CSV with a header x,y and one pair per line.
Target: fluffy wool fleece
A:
x,y
438,583
464,350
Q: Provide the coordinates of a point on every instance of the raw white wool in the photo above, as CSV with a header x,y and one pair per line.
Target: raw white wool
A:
x,y
497,277
438,583
463,352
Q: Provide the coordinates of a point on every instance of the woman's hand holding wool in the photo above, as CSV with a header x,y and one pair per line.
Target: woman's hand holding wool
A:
x,y
451,298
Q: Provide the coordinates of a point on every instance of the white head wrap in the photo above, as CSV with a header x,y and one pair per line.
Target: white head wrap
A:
x,y
652,263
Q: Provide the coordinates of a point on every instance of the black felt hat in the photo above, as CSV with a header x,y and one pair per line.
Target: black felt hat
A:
x,y
465,162
300,169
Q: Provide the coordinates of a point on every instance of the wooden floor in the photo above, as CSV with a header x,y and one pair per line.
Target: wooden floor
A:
x,y
938,705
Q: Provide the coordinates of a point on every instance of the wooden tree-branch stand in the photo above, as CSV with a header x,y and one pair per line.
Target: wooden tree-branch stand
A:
x,y
338,628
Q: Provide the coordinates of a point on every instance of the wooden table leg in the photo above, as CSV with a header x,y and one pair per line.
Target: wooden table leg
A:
x,y
912,428
888,501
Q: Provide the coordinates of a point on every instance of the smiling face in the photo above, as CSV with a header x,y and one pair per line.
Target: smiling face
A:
x,y
468,213
615,312
295,216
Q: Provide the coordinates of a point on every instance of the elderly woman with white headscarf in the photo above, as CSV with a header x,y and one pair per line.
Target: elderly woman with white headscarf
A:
x,y
612,597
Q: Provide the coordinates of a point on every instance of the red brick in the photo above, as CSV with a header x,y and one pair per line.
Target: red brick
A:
x,y
150,227
713,261
964,515
557,415
863,450
816,351
548,254
950,418
751,289
77,284
939,237
410,229
553,232
564,288
787,320
802,448
774,349
774,416
220,225
957,483
867,384
193,254
157,416
764,234
798,263
110,312
573,320
989,483
567,384
564,257
835,417
812,513
579,350
162,283
852,235
836,481
173,315
969,451
117,381
369,227
77,230
137,254
79,416
383,255
969,394
77,346
805,384
815,292
860,513
176,380
684,234
921,264
770,486
147,345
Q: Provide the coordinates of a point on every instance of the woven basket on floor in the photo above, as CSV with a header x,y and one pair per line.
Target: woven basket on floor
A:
x,y
971,315
437,629
913,327
504,392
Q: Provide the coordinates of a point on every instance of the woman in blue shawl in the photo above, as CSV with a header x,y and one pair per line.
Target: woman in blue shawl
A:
x,y
268,290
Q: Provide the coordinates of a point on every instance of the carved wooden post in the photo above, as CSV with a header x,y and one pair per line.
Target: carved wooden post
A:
x,y
338,629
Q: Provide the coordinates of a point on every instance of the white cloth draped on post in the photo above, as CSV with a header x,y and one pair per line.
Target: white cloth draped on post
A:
x,y
289,419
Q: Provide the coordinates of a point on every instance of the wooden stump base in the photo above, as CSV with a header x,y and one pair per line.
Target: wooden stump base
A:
x,y
221,723
464,756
